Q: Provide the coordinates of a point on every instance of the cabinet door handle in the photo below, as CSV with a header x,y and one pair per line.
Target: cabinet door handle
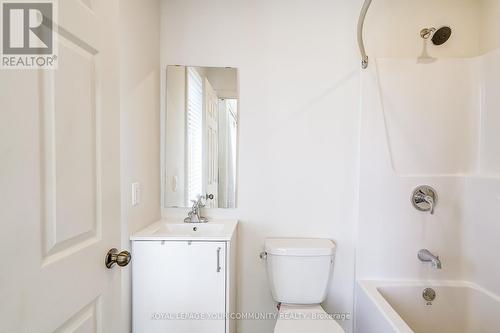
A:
x,y
218,260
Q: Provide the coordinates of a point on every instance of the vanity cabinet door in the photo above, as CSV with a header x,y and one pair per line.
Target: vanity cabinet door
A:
x,y
177,283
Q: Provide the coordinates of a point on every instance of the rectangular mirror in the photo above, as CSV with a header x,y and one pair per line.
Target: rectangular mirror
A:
x,y
201,131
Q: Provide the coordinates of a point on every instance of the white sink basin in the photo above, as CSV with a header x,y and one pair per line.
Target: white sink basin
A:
x,y
188,229
167,230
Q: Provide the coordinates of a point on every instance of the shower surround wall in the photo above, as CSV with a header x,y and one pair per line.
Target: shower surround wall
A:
x,y
435,124
482,191
391,230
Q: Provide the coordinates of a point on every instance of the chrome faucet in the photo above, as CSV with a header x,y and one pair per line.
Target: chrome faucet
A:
x,y
425,255
194,215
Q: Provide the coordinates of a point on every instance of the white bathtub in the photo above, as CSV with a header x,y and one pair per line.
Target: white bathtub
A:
x,y
398,306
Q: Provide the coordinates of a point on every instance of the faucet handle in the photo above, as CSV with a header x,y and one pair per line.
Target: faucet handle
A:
x,y
424,198
196,205
430,201
201,204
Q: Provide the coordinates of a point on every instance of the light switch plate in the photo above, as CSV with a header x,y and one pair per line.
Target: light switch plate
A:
x,y
136,191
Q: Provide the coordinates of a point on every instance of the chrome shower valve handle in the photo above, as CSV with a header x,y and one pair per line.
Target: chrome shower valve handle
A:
x,y
430,201
424,199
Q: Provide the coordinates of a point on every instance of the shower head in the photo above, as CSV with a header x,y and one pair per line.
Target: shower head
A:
x,y
439,36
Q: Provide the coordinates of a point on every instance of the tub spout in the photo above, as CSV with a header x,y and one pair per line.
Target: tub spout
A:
x,y
425,255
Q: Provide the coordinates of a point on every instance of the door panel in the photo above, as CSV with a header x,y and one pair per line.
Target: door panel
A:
x,y
178,278
85,321
59,142
70,150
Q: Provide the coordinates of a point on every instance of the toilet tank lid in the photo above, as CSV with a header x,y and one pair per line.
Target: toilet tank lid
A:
x,y
300,247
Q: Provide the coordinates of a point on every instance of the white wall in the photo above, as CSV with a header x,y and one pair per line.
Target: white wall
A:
x,y
481,230
393,27
432,121
140,122
489,25
299,90
489,161
482,193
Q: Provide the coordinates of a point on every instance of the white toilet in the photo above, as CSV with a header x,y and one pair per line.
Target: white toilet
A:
x,y
299,272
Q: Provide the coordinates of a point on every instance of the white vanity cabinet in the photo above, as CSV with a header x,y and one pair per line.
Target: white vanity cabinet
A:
x,y
183,284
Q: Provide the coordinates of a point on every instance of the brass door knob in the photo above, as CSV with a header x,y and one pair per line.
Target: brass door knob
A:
x,y
120,258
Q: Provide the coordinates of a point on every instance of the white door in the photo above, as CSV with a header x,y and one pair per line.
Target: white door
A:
x,y
212,140
60,180
176,281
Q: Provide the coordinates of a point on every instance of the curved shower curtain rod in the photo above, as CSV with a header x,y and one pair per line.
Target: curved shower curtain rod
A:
x,y
361,44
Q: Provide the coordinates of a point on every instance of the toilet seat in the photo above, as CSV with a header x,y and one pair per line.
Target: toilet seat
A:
x,y
305,319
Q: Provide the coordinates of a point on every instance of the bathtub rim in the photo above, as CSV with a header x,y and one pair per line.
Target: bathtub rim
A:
x,y
370,288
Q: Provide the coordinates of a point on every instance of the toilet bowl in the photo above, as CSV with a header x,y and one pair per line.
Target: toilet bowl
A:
x,y
299,272
305,319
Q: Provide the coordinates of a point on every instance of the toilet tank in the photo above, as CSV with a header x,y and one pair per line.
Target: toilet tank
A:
x,y
299,269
